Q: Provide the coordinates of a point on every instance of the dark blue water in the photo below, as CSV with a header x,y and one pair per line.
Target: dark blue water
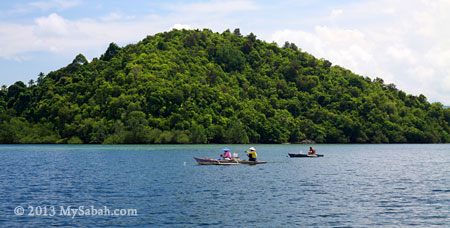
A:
x,y
352,186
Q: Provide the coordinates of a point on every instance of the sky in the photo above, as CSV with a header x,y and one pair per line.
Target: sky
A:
x,y
403,42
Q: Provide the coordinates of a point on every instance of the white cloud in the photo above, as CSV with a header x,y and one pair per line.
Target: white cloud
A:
x,y
25,9
335,13
53,25
214,7
345,47
389,10
404,43
410,46
116,17
17,37
56,34
181,26
401,53
54,4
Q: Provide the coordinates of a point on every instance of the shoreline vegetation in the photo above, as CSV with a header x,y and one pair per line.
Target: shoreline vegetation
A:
x,y
197,87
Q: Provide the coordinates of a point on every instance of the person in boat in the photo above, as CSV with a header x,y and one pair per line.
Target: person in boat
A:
x,y
311,151
226,154
252,155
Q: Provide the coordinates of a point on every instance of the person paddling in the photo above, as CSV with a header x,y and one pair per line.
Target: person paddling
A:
x,y
252,155
226,154
311,151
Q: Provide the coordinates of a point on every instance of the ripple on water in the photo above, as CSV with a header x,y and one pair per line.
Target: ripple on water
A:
x,y
352,186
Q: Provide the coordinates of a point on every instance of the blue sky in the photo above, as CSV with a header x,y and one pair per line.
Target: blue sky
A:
x,y
403,42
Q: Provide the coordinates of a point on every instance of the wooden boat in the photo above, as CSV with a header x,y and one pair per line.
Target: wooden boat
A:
x,y
210,161
251,162
300,155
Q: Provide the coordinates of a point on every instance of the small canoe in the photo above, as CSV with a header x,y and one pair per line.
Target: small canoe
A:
x,y
300,155
210,161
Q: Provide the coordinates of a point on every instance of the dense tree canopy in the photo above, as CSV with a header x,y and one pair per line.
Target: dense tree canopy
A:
x,y
191,86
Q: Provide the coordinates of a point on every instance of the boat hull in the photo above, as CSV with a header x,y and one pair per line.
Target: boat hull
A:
x,y
252,162
305,155
210,161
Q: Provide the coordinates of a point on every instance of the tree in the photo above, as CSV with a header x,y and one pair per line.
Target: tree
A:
x,y
198,134
99,132
251,37
15,90
237,32
293,47
40,79
80,60
112,50
137,126
191,86
231,58
236,133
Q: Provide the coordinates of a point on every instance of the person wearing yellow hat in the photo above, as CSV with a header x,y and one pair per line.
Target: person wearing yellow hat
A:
x,y
252,155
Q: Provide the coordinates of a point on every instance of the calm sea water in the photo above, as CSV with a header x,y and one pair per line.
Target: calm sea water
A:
x,y
352,186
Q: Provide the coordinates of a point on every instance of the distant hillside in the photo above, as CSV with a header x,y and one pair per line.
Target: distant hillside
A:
x,y
190,86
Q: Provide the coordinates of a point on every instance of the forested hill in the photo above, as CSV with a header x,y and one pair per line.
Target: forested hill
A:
x,y
190,86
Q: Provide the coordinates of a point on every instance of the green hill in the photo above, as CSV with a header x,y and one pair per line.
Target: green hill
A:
x,y
194,86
